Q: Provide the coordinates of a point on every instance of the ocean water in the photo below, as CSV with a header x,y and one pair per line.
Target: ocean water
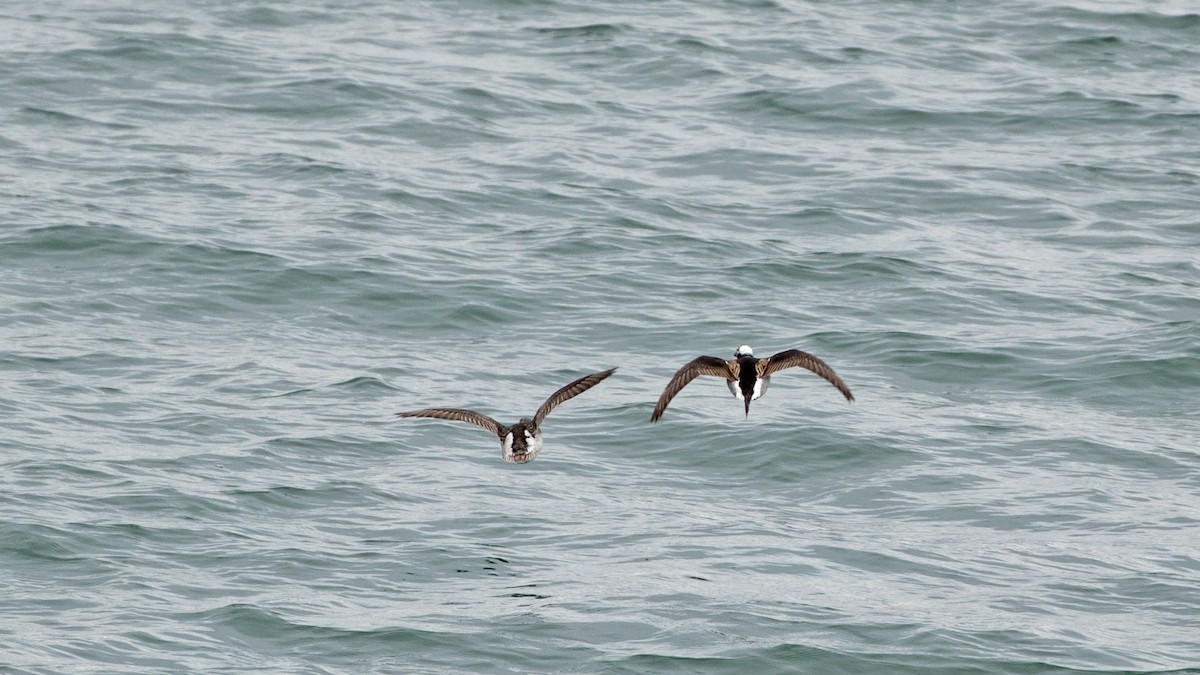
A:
x,y
236,237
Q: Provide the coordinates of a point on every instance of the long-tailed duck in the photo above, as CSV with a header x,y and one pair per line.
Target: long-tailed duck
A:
x,y
746,376
520,442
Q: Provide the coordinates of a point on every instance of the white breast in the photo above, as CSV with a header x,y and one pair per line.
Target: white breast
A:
x,y
760,387
535,443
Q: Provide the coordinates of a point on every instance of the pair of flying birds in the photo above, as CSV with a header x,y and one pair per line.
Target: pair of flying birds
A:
x,y
747,377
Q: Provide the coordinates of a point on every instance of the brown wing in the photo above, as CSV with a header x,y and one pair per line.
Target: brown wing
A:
x,y
795,357
458,415
569,392
701,365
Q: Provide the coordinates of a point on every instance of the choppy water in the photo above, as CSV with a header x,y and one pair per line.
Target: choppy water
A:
x,y
235,237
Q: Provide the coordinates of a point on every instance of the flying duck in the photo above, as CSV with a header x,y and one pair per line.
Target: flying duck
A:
x,y
746,376
520,442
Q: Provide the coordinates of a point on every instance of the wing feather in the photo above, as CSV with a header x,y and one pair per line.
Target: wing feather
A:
x,y
459,415
795,357
701,365
570,391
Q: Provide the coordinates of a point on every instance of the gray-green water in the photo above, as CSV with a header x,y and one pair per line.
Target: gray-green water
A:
x,y
235,237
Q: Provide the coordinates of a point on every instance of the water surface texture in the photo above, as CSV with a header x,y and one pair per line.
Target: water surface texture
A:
x,y
236,237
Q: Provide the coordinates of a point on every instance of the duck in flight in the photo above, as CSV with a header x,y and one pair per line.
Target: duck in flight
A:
x,y
746,376
520,442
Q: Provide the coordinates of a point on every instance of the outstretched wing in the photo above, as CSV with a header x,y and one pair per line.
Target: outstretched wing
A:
x,y
701,365
458,415
570,391
795,357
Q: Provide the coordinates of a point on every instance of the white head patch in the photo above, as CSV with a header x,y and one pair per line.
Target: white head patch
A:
x,y
744,350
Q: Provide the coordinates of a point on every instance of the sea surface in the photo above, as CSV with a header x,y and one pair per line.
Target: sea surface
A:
x,y
237,236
